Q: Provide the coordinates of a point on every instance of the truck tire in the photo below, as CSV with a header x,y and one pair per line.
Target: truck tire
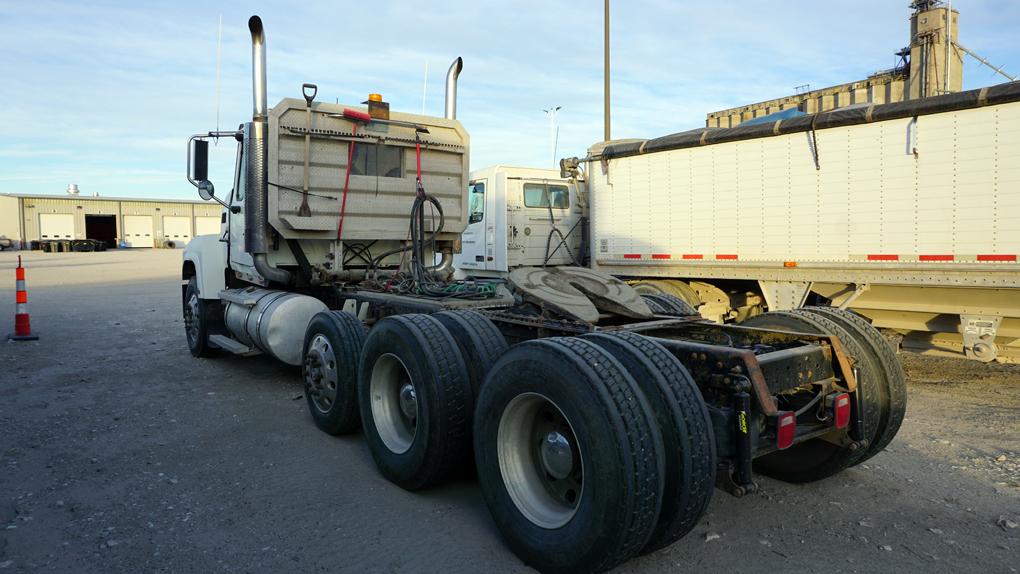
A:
x,y
817,459
202,318
671,305
416,401
479,340
892,373
684,424
672,287
569,457
329,368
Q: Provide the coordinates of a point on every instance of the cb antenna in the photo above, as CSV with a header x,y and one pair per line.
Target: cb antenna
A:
x,y
219,43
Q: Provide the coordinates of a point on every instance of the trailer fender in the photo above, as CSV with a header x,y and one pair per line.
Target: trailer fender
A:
x,y
205,258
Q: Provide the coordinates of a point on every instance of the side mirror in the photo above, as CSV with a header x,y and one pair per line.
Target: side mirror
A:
x,y
206,190
200,165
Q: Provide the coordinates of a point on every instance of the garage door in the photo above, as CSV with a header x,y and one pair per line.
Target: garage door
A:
x,y
56,226
207,225
138,230
177,229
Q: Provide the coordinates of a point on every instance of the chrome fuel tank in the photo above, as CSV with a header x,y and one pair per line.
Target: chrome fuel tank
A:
x,y
271,321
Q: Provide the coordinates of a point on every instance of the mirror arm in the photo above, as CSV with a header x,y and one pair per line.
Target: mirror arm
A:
x,y
236,134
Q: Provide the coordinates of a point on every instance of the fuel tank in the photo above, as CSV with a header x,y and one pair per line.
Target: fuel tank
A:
x,y
272,321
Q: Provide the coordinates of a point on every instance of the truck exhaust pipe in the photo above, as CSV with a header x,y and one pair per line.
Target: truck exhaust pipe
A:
x,y
256,202
451,88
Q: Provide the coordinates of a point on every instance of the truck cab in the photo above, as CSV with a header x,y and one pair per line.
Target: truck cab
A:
x,y
520,216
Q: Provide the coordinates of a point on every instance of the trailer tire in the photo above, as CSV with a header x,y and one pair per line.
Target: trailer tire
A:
x,y
201,319
894,379
816,459
671,305
480,342
561,508
686,429
416,401
329,369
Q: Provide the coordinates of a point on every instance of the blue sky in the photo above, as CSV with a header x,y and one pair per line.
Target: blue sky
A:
x,y
106,94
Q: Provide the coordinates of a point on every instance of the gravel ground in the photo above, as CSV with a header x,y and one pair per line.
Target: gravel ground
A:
x,y
119,452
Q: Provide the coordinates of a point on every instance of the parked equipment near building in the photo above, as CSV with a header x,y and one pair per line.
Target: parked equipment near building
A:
x,y
598,419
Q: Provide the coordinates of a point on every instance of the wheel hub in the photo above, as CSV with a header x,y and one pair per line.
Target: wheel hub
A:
x,y
191,316
557,455
320,373
408,402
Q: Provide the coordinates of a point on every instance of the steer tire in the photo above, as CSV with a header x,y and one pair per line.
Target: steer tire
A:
x,y
202,317
671,305
418,354
892,373
329,369
616,467
686,429
816,459
479,340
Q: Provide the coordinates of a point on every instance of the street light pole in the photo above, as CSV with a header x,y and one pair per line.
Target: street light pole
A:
x,y
554,130
606,68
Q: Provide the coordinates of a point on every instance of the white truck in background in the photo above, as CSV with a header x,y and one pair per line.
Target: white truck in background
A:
x,y
906,213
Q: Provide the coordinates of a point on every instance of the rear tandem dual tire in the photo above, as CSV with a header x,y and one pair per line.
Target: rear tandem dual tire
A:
x,y
332,351
479,340
569,456
817,459
670,305
892,376
684,424
416,401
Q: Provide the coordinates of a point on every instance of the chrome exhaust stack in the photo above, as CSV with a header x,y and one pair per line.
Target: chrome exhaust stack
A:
x,y
451,88
256,201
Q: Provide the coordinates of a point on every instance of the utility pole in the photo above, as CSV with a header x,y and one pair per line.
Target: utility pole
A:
x,y
554,131
606,87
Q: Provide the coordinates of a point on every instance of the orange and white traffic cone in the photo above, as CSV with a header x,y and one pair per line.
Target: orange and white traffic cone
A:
x,y
22,323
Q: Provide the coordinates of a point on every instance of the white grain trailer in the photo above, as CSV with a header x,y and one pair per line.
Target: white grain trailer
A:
x,y
907,213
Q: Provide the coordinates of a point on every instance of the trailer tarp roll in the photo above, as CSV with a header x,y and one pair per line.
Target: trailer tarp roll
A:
x,y
1000,94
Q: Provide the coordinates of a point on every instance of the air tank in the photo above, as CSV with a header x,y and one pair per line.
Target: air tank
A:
x,y
272,321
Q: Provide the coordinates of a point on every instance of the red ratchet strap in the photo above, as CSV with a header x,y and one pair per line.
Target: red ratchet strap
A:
x,y
354,116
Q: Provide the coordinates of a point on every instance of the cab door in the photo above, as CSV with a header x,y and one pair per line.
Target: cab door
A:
x,y
546,218
240,260
475,250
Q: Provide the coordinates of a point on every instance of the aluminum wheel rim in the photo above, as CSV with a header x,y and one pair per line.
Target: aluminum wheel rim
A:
x,y
191,316
320,373
544,481
395,407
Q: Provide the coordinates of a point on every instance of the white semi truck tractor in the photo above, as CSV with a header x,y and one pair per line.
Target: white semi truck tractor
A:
x,y
598,421
905,213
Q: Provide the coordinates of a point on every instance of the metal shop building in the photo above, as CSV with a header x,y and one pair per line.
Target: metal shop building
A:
x,y
131,222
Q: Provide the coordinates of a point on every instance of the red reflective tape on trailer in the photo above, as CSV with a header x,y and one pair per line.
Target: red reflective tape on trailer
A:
x,y
1007,258
880,257
632,256
726,256
661,256
693,256
935,257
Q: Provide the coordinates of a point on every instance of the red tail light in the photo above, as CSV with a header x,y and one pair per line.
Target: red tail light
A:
x,y
786,429
841,406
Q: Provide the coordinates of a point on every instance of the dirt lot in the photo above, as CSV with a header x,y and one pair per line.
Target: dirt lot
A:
x,y
119,452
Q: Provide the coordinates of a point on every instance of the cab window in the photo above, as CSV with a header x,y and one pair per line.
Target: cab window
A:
x,y
544,195
379,160
476,201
